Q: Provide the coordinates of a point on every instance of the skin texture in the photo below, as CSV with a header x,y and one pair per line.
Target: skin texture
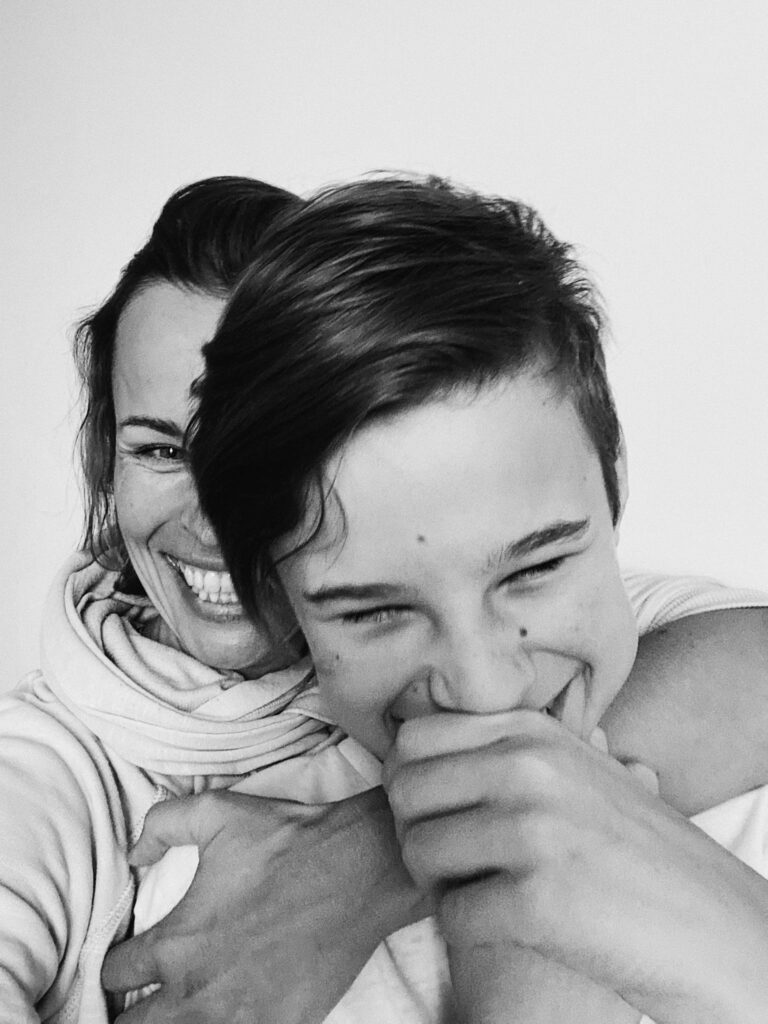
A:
x,y
213,953
291,949
541,665
456,589
157,357
454,575
577,863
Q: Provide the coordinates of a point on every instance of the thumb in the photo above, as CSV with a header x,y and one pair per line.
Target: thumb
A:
x,y
187,821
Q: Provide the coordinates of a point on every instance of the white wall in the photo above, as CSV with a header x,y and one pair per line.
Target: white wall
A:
x,y
638,128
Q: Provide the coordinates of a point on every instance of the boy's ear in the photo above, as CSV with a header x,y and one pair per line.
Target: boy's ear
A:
x,y
623,482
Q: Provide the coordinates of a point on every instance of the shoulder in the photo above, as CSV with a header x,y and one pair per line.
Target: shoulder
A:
x,y
659,599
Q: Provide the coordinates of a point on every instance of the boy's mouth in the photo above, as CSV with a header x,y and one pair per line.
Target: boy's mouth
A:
x,y
569,705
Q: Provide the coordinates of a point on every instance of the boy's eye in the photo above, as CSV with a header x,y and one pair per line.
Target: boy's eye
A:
x,y
534,572
374,616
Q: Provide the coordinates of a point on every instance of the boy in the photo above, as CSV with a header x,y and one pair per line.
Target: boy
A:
x,y
421,449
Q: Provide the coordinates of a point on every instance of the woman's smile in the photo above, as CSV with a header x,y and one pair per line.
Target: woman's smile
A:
x,y
172,546
209,586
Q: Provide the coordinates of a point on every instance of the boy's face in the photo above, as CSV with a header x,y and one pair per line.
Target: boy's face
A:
x,y
473,568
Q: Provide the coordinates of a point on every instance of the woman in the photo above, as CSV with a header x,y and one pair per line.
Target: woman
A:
x,y
440,500
153,681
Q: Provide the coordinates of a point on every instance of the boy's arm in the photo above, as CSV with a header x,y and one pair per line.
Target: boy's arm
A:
x,y
506,984
695,708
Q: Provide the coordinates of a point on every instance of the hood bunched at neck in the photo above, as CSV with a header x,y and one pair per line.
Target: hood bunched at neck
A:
x,y
158,707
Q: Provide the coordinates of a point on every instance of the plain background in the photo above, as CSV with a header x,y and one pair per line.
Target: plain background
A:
x,y
638,128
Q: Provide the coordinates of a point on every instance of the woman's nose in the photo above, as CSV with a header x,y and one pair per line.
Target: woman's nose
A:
x,y
198,524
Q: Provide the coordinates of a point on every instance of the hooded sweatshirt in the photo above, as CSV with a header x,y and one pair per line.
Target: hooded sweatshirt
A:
x,y
114,722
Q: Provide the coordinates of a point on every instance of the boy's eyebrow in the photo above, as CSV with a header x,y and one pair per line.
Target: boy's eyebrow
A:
x,y
357,592
167,427
563,529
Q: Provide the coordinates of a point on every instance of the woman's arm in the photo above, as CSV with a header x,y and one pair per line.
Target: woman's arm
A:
x,y
695,708
49,846
282,946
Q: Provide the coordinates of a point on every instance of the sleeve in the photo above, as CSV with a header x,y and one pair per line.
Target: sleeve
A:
x,y
658,600
47,864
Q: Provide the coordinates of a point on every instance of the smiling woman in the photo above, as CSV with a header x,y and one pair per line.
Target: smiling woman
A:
x,y
172,548
154,681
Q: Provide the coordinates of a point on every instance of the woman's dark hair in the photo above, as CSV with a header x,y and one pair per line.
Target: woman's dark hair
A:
x,y
372,298
205,236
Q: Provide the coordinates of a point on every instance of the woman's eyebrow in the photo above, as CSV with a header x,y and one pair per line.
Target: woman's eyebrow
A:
x,y
562,529
160,426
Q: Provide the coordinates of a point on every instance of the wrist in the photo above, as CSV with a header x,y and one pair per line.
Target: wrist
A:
x,y
379,891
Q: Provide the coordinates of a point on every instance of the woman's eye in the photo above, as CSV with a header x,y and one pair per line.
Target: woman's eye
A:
x,y
168,454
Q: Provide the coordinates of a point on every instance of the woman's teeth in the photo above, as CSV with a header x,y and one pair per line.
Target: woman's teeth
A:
x,y
208,585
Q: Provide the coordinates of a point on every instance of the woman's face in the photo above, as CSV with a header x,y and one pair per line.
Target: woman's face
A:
x,y
170,542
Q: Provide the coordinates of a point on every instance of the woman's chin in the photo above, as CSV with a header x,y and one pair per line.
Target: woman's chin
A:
x,y
219,635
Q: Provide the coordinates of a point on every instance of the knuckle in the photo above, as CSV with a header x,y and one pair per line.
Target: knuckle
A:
x,y
534,771
540,840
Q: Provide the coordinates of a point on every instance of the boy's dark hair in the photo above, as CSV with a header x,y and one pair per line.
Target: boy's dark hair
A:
x,y
205,236
371,298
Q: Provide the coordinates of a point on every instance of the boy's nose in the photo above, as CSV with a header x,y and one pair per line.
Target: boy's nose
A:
x,y
483,682
481,675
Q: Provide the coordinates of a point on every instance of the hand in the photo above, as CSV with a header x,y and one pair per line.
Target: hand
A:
x,y
287,905
528,835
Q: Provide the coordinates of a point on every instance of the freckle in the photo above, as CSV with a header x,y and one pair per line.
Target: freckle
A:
x,y
523,631
421,539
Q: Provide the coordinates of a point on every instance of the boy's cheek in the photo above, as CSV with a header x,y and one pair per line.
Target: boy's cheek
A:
x,y
357,696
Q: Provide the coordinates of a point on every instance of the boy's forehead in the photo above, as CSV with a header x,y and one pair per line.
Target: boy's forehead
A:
x,y
488,466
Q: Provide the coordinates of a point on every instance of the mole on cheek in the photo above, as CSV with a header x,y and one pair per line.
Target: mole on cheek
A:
x,y
523,632
420,538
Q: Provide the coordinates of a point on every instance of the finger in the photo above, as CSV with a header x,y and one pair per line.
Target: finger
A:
x,y
440,785
448,732
462,846
188,821
489,909
132,964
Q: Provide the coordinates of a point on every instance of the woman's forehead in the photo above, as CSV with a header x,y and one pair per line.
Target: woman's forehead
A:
x,y
158,345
